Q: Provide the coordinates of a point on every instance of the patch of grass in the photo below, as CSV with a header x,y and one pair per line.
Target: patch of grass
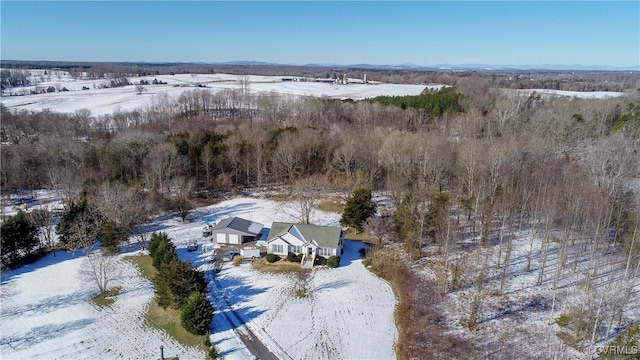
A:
x,y
165,319
334,205
279,197
145,265
280,267
169,321
301,293
107,298
351,234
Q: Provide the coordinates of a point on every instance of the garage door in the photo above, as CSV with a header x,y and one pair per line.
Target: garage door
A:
x,y
221,238
234,239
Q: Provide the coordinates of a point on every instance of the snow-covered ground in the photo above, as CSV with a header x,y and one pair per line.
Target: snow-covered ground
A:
x,y
347,314
576,94
47,314
46,311
519,317
104,101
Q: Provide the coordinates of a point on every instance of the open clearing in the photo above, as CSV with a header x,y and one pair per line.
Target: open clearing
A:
x,y
347,313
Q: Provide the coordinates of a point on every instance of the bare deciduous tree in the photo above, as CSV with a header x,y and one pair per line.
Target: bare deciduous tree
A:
x,y
101,270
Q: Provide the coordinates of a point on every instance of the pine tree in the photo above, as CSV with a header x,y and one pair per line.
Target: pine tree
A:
x,y
196,314
156,239
359,208
111,236
18,238
175,281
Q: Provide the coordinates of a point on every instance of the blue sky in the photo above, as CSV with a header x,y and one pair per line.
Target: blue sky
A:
x,y
423,33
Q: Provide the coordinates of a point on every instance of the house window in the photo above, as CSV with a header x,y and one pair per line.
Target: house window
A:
x,y
325,251
295,249
276,248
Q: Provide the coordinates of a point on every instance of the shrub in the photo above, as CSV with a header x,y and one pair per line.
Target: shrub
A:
x,y
237,260
320,260
291,256
362,252
196,314
271,258
333,261
563,320
213,353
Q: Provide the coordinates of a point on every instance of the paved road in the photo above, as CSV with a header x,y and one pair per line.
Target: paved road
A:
x,y
256,347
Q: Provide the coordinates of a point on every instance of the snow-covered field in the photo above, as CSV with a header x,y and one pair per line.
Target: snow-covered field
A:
x,y
572,94
105,101
46,311
47,314
347,314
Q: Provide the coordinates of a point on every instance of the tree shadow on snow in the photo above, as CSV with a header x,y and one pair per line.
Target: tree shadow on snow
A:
x,y
48,259
47,305
231,296
351,252
42,333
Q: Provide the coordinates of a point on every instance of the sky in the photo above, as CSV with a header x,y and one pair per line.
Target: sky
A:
x,y
303,32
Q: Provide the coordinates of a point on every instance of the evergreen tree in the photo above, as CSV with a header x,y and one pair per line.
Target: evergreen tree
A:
x,y
196,314
165,253
18,238
175,281
111,236
435,220
156,239
359,208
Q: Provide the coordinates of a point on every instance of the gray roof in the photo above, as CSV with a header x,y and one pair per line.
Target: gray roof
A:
x,y
325,236
239,224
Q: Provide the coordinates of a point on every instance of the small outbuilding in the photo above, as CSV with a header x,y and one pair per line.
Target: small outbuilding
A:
x,y
235,230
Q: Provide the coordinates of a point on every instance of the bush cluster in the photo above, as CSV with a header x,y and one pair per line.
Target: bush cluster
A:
x,y
333,261
271,258
320,260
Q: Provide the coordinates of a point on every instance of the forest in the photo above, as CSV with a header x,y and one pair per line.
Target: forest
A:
x,y
468,169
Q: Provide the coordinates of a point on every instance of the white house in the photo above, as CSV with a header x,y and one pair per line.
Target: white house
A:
x,y
309,240
235,230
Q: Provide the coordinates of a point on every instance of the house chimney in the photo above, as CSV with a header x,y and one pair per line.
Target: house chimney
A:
x,y
161,352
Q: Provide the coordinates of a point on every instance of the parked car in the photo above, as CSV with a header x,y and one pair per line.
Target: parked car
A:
x,y
192,245
229,255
